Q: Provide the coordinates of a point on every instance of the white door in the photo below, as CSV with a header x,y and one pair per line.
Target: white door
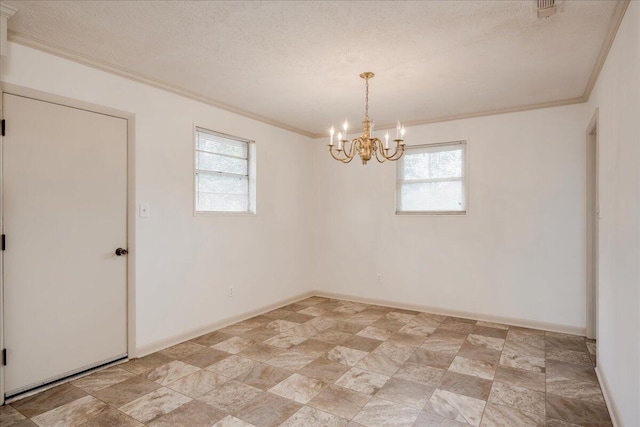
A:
x,y
64,201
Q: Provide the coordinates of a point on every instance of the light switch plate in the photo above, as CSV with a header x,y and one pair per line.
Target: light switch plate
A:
x,y
144,210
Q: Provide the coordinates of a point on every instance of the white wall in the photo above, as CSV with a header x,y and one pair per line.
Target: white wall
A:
x,y
184,264
519,254
617,96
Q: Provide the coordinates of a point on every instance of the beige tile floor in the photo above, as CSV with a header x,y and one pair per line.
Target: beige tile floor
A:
x,y
338,363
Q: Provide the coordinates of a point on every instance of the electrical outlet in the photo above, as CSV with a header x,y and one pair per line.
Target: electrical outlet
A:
x,y
230,291
379,278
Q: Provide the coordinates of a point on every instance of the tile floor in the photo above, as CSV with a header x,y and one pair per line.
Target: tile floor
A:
x,y
338,363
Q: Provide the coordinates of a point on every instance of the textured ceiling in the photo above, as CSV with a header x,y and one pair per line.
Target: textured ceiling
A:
x,y
297,63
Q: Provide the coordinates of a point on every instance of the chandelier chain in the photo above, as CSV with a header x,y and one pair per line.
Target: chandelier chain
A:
x,y
366,101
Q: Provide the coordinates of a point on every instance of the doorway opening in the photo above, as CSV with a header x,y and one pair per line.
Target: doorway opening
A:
x,y
593,213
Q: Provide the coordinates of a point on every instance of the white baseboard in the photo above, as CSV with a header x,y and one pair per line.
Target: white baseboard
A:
x,y
194,333
176,339
553,327
608,398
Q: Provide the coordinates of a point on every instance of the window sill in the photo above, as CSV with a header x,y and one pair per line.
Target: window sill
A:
x,y
232,214
431,213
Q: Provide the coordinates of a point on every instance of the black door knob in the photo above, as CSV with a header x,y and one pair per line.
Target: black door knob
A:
x,y
121,251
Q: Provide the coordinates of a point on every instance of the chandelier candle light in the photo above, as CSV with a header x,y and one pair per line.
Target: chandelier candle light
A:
x,y
366,145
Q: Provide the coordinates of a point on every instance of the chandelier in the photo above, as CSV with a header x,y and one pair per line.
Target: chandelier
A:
x,y
366,145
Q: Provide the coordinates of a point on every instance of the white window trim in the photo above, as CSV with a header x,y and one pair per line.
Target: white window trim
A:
x,y
465,180
253,185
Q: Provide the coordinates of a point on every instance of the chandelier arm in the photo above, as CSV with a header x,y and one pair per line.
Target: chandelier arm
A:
x,y
378,144
338,157
397,153
353,147
383,151
347,160
348,156
348,152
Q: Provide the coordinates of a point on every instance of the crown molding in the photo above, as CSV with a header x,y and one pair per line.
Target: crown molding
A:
x,y
144,79
7,11
616,20
32,42
550,104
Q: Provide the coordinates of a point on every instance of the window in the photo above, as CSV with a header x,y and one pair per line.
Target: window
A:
x,y
224,173
432,179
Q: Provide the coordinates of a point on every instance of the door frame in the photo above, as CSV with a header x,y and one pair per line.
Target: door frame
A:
x,y
592,226
131,204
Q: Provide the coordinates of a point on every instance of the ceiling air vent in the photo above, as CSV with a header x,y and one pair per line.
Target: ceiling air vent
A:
x,y
546,8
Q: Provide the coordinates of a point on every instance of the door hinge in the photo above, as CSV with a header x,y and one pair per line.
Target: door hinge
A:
x,y
4,357
3,126
4,242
